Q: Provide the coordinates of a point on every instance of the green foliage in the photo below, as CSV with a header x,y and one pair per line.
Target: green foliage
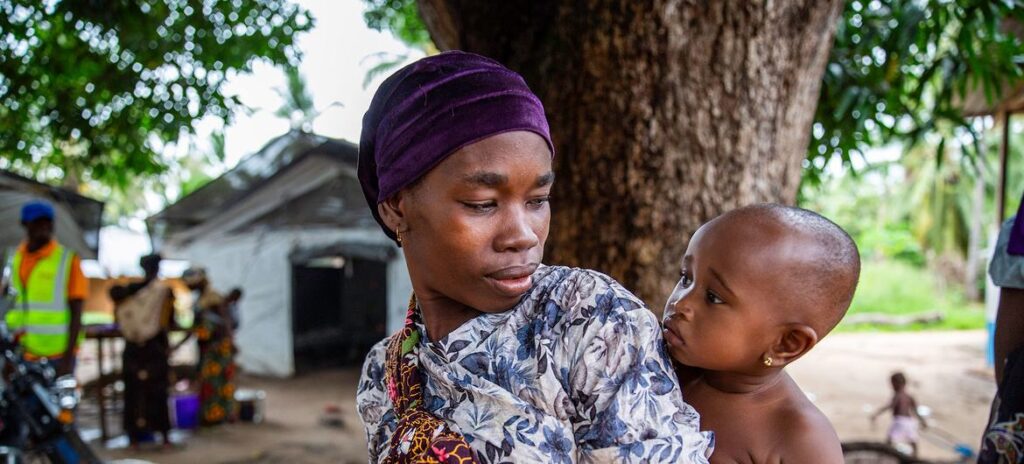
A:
x,y
870,208
191,184
893,241
897,288
402,18
298,105
218,146
384,63
898,67
94,88
148,194
895,71
892,287
939,196
1015,167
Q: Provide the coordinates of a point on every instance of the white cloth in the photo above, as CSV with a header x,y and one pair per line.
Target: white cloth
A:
x,y
139,316
903,430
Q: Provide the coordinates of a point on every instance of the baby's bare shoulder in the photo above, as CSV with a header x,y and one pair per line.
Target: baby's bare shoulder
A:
x,y
807,435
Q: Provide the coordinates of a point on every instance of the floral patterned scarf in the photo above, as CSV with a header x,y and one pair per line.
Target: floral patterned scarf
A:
x,y
419,437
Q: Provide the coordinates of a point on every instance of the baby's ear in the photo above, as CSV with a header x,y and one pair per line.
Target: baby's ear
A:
x,y
796,340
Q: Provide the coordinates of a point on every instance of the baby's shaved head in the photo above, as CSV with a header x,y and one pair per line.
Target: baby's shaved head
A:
x,y
818,262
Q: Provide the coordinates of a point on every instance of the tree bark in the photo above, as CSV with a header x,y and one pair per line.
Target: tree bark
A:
x,y
664,113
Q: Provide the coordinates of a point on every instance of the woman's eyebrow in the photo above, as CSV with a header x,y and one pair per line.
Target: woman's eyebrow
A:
x,y
546,179
486,179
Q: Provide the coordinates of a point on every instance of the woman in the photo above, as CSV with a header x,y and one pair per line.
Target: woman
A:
x,y
1003,440
144,313
216,370
502,358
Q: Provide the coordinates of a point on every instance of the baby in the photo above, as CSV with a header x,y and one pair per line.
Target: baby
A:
x,y
760,286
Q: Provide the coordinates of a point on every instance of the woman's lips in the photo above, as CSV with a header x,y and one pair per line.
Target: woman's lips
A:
x,y
514,280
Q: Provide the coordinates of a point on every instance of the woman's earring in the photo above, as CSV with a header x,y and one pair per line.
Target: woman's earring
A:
x,y
398,235
768,361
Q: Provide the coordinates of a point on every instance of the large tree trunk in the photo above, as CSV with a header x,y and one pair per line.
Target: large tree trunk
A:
x,y
664,113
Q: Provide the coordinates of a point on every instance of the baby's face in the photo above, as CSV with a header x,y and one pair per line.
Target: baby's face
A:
x,y
720,315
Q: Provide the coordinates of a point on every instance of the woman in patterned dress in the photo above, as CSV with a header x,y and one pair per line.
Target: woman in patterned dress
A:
x,y
216,369
502,359
1003,440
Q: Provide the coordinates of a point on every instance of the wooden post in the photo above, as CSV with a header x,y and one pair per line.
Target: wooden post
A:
x,y
1004,150
100,386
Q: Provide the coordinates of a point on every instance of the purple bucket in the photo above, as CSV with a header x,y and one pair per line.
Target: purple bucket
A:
x,y
186,410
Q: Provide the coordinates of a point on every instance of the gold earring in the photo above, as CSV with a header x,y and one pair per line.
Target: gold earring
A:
x,y
768,361
398,235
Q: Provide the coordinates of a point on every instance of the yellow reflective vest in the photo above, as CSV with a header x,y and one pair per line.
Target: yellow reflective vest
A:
x,y
41,310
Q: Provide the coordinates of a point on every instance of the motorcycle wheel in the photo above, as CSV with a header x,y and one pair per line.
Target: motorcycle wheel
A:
x,y
69,448
74,450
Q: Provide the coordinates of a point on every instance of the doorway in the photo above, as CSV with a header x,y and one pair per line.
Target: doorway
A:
x,y
338,310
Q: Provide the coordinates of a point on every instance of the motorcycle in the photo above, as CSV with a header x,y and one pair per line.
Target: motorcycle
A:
x,y
37,408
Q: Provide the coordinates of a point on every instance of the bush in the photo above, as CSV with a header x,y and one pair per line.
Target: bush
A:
x,y
895,287
892,241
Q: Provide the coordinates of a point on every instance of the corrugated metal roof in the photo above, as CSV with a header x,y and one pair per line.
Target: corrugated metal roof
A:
x,y
78,220
248,176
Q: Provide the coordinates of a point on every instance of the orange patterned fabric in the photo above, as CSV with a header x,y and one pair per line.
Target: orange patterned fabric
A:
x,y
419,436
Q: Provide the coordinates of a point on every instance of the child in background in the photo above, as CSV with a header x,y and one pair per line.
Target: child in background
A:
x,y
760,287
904,411
232,301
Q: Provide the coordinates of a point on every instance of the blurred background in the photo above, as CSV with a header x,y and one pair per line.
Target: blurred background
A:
x,y
224,133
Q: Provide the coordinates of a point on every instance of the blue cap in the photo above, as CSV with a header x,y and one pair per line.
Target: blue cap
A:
x,y
36,210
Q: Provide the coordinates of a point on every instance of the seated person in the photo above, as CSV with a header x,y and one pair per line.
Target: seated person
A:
x,y
760,287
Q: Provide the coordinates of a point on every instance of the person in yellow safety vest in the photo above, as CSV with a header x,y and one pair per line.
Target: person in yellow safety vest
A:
x,y
50,292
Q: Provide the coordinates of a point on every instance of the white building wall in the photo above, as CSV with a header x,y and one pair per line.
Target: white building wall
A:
x,y
399,291
258,262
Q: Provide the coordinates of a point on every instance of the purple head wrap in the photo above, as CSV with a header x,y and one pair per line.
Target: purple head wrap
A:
x,y
1016,244
431,108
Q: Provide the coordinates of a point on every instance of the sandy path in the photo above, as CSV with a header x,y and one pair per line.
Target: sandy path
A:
x,y
848,376
291,434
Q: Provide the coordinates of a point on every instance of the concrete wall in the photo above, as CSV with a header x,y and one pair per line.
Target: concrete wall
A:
x,y
258,262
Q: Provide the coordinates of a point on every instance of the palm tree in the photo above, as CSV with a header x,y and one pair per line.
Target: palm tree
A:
x,y
298,107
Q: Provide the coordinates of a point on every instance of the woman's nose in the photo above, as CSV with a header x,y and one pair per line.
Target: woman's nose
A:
x,y
517,233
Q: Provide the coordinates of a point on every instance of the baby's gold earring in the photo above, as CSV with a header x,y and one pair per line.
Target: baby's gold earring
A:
x,y
768,361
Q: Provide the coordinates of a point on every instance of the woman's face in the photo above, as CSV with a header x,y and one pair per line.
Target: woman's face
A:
x,y
475,225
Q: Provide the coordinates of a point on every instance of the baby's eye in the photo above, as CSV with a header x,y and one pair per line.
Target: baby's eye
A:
x,y
714,299
685,279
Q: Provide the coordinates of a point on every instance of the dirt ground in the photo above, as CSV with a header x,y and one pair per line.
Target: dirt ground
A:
x,y
292,432
846,375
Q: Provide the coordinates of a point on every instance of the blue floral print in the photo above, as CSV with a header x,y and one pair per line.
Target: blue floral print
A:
x,y
575,373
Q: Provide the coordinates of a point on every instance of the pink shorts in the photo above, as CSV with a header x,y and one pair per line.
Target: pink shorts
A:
x,y
903,430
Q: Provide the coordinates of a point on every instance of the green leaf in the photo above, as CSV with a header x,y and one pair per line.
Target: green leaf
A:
x,y
110,81
936,51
